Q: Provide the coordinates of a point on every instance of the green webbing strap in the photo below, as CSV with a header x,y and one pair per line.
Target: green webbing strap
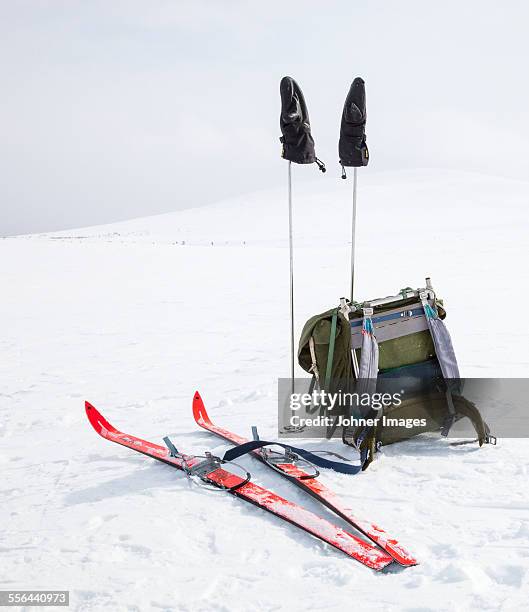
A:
x,y
330,354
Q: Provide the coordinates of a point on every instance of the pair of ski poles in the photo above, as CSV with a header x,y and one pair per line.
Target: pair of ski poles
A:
x,y
291,253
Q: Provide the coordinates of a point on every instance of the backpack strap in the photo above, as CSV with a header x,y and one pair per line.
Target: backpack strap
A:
x,y
451,416
312,408
365,442
330,354
314,366
468,409
446,357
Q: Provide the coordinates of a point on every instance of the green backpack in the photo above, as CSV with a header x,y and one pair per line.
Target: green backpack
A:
x,y
389,341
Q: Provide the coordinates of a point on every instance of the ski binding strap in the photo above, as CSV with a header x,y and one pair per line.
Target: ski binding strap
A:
x,y
274,458
292,453
204,468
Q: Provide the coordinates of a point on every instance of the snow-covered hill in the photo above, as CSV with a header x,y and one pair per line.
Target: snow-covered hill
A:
x,y
136,315
410,202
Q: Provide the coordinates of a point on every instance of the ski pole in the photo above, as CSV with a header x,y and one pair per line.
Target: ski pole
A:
x,y
353,234
291,252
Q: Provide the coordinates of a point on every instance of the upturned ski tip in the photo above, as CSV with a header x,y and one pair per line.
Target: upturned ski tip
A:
x,y
199,410
97,420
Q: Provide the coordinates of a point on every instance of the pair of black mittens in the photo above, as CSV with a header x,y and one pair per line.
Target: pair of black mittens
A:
x,y
297,140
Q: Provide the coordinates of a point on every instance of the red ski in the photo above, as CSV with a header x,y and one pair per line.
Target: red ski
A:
x,y
210,472
312,486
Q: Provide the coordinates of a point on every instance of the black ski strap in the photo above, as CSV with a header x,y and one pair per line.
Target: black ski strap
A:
x,y
248,447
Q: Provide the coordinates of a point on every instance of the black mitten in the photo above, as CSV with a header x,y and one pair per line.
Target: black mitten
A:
x,y
352,147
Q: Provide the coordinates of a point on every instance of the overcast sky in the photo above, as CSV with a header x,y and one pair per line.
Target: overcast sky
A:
x,y
118,109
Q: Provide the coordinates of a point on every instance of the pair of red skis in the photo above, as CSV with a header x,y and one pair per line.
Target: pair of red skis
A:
x,y
376,552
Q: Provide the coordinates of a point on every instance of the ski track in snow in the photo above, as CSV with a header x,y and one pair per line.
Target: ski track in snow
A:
x,y
133,320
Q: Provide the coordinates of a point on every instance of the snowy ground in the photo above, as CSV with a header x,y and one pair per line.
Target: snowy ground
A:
x,y
134,320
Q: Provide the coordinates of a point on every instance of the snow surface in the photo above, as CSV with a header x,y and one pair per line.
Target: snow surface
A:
x,y
133,319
